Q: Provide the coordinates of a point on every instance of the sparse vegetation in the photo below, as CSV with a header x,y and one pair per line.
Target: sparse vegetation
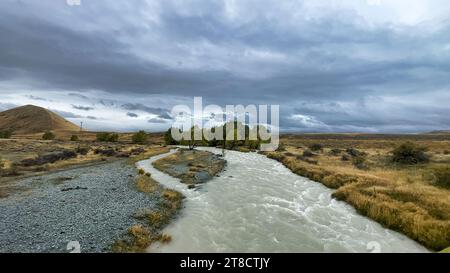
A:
x,y
405,196
5,134
442,176
74,138
48,136
107,137
140,137
409,153
201,166
316,147
141,236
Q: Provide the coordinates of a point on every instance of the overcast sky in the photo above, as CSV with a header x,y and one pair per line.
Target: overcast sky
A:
x,y
337,65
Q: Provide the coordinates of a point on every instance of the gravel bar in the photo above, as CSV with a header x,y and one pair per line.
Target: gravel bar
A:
x,y
93,206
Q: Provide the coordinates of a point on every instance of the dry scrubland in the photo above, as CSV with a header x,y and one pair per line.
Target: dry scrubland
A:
x,y
29,155
410,197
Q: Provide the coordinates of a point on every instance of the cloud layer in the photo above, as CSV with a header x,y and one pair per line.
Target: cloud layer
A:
x,y
356,65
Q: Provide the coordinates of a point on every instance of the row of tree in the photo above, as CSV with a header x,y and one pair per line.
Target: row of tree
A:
x,y
249,138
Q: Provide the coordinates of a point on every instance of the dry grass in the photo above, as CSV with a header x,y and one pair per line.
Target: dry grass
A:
x,y
186,164
146,184
141,236
408,198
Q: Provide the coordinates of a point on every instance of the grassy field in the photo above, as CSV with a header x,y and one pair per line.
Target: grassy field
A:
x,y
413,198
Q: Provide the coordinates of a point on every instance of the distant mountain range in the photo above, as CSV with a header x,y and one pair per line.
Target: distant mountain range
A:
x,y
31,119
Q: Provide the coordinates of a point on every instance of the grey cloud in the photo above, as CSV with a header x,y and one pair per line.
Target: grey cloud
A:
x,y
320,67
66,114
84,108
157,120
36,98
161,112
133,115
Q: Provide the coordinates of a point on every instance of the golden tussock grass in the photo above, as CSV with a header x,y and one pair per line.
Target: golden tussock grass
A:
x,y
411,199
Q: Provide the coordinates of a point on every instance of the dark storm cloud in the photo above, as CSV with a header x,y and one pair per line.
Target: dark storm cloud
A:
x,y
328,70
160,112
132,115
84,108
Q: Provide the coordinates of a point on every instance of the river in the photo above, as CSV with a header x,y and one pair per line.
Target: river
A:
x,y
258,205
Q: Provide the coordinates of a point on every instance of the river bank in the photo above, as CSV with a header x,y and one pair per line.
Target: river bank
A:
x,y
402,197
93,206
258,205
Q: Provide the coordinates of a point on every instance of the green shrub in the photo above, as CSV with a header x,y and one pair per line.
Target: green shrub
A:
x,y
74,138
5,134
140,137
409,153
168,139
335,152
82,150
141,171
107,137
308,153
316,147
359,162
354,152
48,136
442,175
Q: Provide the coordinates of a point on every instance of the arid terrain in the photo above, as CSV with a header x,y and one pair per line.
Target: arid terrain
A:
x,y
400,181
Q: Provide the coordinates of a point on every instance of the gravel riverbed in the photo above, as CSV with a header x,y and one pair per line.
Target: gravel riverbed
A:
x,y
92,205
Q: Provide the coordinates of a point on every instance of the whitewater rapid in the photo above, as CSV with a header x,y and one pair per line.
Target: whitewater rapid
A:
x,y
258,205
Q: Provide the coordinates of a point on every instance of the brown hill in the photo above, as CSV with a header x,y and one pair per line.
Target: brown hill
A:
x,y
31,119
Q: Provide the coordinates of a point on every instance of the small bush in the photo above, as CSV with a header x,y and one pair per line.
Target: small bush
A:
x,y
354,152
308,153
140,137
48,136
5,134
335,151
360,162
82,150
141,171
107,137
74,138
409,153
346,158
442,175
316,147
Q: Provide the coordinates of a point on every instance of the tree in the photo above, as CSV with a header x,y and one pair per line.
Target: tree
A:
x,y
168,139
48,136
140,137
107,137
